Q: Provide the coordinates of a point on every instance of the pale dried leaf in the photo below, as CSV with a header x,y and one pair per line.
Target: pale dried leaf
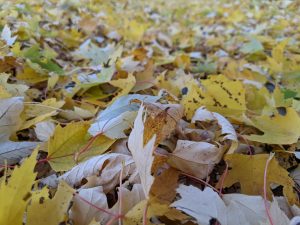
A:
x,y
195,158
102,170
142,155
82,213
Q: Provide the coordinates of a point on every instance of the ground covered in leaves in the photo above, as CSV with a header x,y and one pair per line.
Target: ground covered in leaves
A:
x,y
149,112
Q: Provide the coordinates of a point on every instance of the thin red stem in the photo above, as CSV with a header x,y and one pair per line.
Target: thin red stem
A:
x,y
265,189
223,179
145,214
120,195
96,207
110,222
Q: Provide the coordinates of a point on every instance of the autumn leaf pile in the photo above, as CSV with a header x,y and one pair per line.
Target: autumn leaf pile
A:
x,y
149,112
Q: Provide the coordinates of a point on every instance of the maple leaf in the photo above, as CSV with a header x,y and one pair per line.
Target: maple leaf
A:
x,y
125,84
10,151
119,116
231,209
70,140
277,128
203,205
219,94
15,195
154,208
249,170
6,35
50,211
142,155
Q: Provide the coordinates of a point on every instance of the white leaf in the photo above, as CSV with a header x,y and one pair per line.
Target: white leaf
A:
x,y
295,174
277,215
114,128
244,209
118,117
202,205
234,209
12,152
6,36
130,65
142,155
44,130
10,110
103,170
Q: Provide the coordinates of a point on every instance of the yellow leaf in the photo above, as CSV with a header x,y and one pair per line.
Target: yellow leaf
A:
x,y
125,84
35,113
31,76
224,96
277,60
193,99
277,52
219,94
4,93
16,193
52,81
36,120
277,128
182,61
65,147
154,208
174,83
12,89
134,30
51,211
249,170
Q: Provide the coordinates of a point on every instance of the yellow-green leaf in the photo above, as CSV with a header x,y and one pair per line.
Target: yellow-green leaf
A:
x,y
15,195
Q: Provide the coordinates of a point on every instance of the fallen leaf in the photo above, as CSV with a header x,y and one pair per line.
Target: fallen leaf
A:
x,y
248,170
277,128
202,205
161,120
125,84
15,195
226,127
51,211
70,140
12,152
195,158
142,155
82,213
13,90
44,130
7,36
129,198
103,170
119,116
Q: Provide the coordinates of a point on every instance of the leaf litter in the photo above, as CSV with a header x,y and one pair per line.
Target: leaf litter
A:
x,y
149,112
